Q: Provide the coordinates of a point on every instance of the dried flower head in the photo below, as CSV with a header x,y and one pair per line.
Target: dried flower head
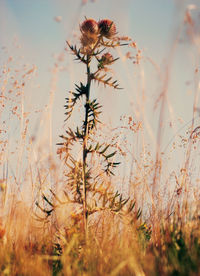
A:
x,y
107,28
89,27
88,41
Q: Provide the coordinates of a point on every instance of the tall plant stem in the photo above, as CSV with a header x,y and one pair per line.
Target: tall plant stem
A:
x,y
85,139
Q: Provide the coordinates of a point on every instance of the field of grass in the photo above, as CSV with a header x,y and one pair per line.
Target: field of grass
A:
x,y
107,199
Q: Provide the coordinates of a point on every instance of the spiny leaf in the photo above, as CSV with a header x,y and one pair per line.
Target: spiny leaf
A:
x,y
48,212
82,89
93,113
97,147
71,101
101,79
110,155
105,149
131,206
139,212
77,53
79,134
48,201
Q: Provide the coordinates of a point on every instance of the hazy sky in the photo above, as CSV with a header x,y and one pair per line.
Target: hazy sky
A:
x,y
34,33
150,22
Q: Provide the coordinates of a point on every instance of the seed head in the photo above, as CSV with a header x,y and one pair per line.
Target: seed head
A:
x,y
89,27
107,28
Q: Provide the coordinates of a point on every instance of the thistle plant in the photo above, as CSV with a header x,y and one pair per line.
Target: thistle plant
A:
x,y
96,41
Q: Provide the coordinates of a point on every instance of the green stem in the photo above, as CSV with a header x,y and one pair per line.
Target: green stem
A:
x,y
85,139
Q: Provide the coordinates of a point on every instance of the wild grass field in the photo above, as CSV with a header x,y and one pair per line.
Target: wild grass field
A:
x,y
112,186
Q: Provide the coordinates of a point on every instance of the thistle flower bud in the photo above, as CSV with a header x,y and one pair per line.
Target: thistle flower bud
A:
x,y
89,27
107,28
107,58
